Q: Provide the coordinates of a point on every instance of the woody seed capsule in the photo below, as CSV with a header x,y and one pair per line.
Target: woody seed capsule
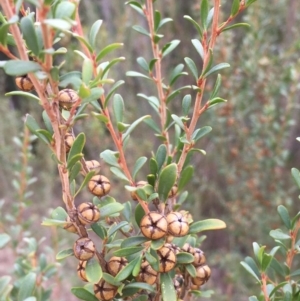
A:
x,y
99,185
93,165
177,224
84,248
116,264
67,98
154,225
147,273
88,213
69,140
167,258
203,273
104,291
81,270
199,257
24,83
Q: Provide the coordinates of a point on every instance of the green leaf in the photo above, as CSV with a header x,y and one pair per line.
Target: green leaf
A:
x,y
111,209
142,286
178,121
133,241
47,122
83,294
176,73
136,6
128,251
73,161
87,70
296,176
197,44
207,224
65,10
184,258
74,171
85,181
143,63
161,156
191,270
34,128
119,173
216,88
285,217
112,91
163,22
216,68
250,2
22,93
215,101
138,165
139,213
158,243
106,50
141,30
236,26
77,146
4,239
127,270
169,47
133,126
199,133
109,65
27,286
198,28
4,285
204,13
52,222
93,33
93,270
192,66
71,78
137,74
64,254
18,67
109,157
267,258
249,270
235,7
167,179
59,213
118,107
58,24
167,287
29,34
278,234
115,227
99,230
185,177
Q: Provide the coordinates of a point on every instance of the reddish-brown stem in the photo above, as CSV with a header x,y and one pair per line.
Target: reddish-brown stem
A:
x,y
158,73
116,137
198,110
264,286
292,252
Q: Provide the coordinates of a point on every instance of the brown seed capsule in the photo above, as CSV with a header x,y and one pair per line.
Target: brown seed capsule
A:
x,y
93,165
67,98
116,264
176,249
24,83
167,258
154,225
147,273
203,273
104,291
69,140
84,248
69,226
173,191
177,224
199,257
188,248
139,184
88,213
81,270
99,185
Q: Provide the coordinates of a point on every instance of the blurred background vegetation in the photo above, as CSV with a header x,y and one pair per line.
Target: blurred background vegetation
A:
x,y
246,172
